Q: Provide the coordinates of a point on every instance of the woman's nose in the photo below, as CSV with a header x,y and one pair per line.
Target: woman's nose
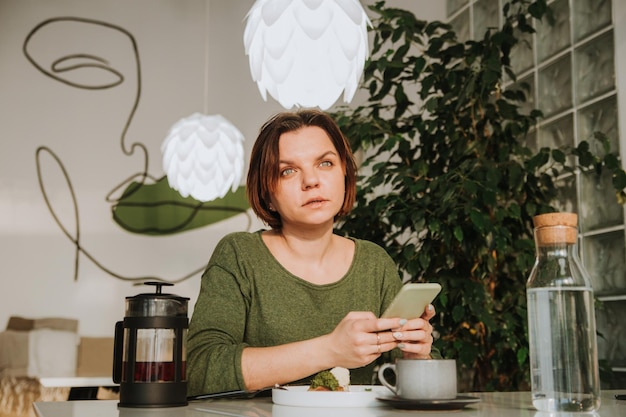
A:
x,y
310,179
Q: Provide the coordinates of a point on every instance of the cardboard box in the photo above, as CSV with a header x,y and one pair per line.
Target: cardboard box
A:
x,y
95,357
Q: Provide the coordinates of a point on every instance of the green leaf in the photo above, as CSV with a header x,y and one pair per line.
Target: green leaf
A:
x,y
470,187
458,233
619,180
402,101
157,209
514,211
434,225
478,220
458,312
538,9
522,355
558,156
418,66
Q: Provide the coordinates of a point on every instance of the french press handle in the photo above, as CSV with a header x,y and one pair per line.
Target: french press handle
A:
x,y
118,349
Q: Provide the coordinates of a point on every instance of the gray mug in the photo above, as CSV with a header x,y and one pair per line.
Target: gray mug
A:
x,y
422,379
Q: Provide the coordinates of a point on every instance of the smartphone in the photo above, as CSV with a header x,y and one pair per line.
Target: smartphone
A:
x,y
412,300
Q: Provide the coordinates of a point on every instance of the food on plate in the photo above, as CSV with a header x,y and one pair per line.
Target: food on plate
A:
x,y
336,379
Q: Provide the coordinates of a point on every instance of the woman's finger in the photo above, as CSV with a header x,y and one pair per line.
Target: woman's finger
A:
x,y
429,312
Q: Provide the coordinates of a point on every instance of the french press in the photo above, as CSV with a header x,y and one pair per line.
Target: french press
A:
x,y
150,350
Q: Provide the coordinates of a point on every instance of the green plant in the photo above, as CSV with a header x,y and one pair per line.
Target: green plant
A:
x,y
450,184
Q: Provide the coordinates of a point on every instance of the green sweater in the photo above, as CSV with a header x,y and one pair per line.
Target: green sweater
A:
x,y
248,299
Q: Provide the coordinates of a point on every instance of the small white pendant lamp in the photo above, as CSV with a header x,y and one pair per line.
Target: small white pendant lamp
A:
x,y
203,157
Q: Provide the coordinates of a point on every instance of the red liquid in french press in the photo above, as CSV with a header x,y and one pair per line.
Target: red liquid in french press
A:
x,y
155,371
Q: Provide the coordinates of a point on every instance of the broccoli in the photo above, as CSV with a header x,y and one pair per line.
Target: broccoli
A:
x,y
325,379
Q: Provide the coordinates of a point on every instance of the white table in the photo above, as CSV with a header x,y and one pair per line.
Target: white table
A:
x,y
498,404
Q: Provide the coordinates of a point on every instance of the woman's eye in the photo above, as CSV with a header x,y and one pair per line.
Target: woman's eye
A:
x,y
286,171
326,164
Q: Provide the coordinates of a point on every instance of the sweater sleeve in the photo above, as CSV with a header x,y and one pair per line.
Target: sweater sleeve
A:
x,y
215,338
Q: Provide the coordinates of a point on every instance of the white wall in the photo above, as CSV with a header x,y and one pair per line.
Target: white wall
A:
x,y
84,128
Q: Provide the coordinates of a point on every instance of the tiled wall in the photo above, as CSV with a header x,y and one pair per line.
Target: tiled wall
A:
x,y
570,67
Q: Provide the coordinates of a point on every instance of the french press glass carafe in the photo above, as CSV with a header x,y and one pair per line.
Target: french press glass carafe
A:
x,y
150,352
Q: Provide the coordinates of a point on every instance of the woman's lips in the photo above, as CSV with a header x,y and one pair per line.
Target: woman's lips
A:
x,y
313,201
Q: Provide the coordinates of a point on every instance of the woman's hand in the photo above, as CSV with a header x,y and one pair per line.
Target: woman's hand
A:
x,y
361,337
415,338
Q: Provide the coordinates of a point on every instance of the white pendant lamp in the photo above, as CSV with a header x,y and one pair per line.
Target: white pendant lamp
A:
x,y
306,52
203,157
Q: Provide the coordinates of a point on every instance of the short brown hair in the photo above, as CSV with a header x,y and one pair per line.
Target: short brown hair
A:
x,y
263,174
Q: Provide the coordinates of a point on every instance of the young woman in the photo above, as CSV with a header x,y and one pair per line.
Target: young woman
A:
x,y
278,306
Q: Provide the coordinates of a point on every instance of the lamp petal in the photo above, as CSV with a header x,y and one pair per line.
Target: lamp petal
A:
x,y
353,10
272,10
314,21
277,37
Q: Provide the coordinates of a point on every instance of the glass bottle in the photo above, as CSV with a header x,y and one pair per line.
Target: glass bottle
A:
x,y
561,320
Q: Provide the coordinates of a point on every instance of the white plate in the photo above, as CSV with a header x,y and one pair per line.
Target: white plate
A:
x,y
289,411
358,396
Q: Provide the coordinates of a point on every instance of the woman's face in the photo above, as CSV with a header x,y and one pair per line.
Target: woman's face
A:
x,y
311,184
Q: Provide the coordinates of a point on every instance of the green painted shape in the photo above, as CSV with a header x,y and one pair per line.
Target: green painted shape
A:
x,y
157,209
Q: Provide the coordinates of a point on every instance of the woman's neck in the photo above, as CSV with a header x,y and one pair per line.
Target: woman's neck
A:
x,y
320,258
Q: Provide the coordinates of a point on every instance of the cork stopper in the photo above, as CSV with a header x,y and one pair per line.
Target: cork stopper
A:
x,y
554,228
